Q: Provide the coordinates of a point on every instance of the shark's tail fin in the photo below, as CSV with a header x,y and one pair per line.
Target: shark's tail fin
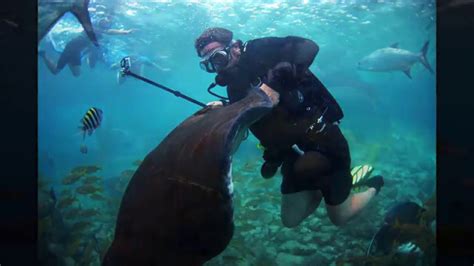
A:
x,y
82,14
423,58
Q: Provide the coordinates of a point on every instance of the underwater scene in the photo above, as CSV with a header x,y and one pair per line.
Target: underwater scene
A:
x,y
97,124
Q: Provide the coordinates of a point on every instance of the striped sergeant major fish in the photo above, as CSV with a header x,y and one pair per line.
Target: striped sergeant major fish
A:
x,y
91,121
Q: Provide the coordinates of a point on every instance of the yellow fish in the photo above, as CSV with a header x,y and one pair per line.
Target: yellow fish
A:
x,y
66,202
87,189
97,197
91,179
70,179
91,121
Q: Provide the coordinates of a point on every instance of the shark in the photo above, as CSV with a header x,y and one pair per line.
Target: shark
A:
x,y
393,58
50,11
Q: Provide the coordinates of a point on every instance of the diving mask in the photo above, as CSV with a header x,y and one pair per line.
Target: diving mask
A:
x,y
219,58
216,60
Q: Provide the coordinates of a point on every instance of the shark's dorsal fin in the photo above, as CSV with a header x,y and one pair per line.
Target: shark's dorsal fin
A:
x,y
394,45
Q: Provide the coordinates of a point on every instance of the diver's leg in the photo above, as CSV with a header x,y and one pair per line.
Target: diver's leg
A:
x,y
298,200
341,205
75,70
302,178
92,59
50,64
340,214
295,207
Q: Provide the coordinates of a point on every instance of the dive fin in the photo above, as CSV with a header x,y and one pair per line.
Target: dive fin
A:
x,y
360,173
423,58
407,72
81,12
394,45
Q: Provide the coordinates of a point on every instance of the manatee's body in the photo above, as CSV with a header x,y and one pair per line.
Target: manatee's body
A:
x,y
177,208
50,11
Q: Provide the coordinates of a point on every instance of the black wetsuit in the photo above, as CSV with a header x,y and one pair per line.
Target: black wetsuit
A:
x,y
72,53
326,163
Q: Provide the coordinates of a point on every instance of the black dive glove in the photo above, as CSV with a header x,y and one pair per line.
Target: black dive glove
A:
x,y
281,76
273,160
269,169
375,182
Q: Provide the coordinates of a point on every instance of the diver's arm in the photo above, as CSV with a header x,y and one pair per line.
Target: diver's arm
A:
x,y
302,51
272,94
118,32
155,65
288,59
115,66
215,104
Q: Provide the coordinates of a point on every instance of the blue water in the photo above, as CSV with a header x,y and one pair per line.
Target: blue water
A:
x,y
390,120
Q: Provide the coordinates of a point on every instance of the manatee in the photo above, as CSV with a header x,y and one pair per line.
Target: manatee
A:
x,y
177,208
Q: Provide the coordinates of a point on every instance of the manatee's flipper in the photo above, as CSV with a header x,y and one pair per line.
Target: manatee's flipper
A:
x,y
177,208
79,9
49,12
423,58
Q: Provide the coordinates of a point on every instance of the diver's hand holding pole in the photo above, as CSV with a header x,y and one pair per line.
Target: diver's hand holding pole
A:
x,y
125,65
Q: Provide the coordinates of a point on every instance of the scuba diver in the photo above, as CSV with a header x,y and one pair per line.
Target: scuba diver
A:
x,y
79,46
301,134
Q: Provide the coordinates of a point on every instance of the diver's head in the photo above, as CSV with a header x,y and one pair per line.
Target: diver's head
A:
x,y
104,24
217,49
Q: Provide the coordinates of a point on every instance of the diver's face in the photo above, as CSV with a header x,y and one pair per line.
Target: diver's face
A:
x,y
216,57
104,24
235,55
208,49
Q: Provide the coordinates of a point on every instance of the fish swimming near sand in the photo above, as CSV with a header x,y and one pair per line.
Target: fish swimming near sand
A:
x,y
50,11
395,59
178,207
